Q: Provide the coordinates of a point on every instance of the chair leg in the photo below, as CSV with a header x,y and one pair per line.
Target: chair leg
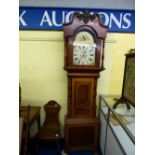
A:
x,y
37,148
58,148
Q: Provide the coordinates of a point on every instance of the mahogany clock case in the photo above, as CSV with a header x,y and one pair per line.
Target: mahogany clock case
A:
x,y
83,67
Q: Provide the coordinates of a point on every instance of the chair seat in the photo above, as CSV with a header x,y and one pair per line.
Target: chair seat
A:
x,y
48,133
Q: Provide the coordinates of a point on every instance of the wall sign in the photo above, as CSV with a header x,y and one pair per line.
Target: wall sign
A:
x,y
36,18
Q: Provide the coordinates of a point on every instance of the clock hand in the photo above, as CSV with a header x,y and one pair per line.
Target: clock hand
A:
x,y
81,58
84,53
83,37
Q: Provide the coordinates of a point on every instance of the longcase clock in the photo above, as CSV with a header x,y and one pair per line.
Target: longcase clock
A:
x,y
84,53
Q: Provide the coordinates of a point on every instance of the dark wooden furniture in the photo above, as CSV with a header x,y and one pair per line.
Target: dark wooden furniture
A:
x,y
84,53
128,89
30,114
24,112
21,123
34,115
50,131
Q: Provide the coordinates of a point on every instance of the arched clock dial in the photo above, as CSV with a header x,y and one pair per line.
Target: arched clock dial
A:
x,y
84,49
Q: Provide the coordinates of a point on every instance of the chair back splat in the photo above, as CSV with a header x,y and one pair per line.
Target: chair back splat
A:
x,y
52,109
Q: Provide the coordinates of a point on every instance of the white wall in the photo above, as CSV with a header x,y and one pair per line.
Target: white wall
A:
x,y
103,4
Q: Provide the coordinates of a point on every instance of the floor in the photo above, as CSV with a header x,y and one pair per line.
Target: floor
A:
x,y
50,149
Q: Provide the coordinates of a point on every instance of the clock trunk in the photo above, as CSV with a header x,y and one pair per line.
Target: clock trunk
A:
x,y
82,100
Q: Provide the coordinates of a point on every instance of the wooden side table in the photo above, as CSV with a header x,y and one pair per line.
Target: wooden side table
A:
x,y
35,115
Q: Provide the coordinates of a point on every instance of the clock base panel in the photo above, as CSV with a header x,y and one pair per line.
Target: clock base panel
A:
x,y
81,134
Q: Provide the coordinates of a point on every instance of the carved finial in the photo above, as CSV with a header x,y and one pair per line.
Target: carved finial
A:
x,y
86,16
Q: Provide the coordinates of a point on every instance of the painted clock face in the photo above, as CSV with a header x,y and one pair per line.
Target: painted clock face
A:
x,y
84,49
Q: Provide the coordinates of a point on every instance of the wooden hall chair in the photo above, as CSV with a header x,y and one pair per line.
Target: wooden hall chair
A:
x,y
50,131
